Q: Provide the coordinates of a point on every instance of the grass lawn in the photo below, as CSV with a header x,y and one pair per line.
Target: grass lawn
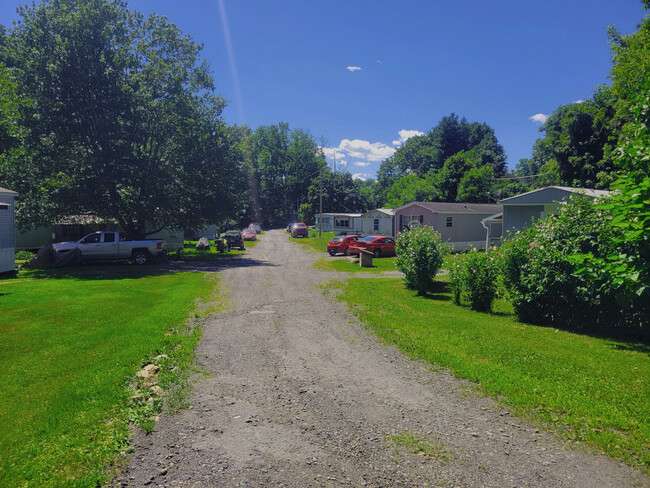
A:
x,y
379,265
71,342
313,242
588,389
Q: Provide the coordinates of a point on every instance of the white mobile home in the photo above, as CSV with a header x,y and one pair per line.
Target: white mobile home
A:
x,y
7,230
339,223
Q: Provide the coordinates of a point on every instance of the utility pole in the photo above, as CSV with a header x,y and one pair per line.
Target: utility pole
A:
x,y
320,215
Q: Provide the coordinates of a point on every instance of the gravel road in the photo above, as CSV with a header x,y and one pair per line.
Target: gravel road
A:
x,y
301,395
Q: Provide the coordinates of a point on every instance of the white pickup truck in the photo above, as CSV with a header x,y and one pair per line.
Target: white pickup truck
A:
x,y
107,245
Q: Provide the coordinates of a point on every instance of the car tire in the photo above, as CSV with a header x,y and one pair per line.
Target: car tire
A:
x,y
347,251
377,253
331,253
141,257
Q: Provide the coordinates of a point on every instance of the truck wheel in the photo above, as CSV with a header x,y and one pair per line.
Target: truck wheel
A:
x,y
141,257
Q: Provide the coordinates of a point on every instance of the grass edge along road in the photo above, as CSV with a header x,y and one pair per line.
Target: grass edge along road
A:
x,y
589,390
71,342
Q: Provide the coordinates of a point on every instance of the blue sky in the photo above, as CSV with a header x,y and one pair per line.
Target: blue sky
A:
x,y
361,75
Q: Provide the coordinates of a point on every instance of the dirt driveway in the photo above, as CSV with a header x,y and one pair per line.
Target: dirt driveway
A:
x,y
301,395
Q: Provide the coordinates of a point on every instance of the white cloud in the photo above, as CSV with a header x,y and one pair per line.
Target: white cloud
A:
x,y
360,176
352,69
539,118
359,163
380,62
405,135
369,151
579,101
342,162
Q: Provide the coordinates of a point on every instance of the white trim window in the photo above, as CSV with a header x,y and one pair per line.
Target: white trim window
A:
x,y
342,222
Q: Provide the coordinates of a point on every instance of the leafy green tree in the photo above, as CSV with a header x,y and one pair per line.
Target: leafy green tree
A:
x,y
428,154
477,186
284,163
410,188
578,137
123,124
448,178
341,193
630,203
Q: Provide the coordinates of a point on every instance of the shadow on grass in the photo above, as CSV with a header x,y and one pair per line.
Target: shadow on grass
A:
x,y
438,291
111,270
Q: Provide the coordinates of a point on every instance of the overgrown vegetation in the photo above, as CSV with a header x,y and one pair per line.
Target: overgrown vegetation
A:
x,y
589,390
68,365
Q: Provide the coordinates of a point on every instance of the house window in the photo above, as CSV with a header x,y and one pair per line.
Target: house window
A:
x,y
375,225
342,223
450,221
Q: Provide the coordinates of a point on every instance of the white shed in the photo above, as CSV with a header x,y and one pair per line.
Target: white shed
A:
x,y
7,230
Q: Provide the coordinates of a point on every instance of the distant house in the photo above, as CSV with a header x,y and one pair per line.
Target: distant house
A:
x,y
7,230
379,222
518,211
339,223
458,223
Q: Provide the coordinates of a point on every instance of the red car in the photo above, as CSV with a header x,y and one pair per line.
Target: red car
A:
x,y
378,245
249,234
341,244
299,230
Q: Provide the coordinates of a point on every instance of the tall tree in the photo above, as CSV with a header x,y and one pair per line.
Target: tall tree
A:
x,y
579,137
428,154
284,164
123,124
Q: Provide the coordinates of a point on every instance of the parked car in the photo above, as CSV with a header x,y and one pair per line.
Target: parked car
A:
x,y
109,245
299,230
290,226
234,239
255,226
341,245
378,245
249,234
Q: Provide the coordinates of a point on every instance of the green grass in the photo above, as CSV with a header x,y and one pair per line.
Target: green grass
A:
x,y
313,242
590,390
70,345
422,446
379,265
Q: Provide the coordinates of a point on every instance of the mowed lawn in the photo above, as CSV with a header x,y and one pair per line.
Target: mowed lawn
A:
x,y
69,344
590,390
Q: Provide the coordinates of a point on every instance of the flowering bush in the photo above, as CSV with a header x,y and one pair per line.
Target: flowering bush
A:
x,y
419,254
474,279
540,275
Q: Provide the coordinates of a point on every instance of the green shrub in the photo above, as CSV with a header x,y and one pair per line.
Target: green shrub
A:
x,y
24,255
419,255
474,279
540,275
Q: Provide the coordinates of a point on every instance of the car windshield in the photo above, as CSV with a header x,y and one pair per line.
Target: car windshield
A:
x,y
366,239
337,239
